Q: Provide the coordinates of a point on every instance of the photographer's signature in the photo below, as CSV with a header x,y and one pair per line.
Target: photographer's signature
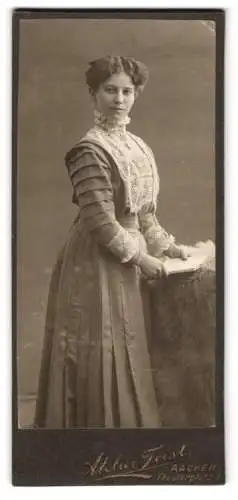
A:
x,y
104,467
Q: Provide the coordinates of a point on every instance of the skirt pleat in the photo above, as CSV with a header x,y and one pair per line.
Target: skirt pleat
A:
x,y
98,365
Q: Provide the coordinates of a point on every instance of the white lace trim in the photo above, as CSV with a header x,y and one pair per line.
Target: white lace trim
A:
x,y
137,171
158,240
111,123
124,246
150,158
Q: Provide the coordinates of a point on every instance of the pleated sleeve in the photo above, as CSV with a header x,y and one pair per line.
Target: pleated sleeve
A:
x,y
90,172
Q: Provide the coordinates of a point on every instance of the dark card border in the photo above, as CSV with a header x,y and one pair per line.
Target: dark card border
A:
x,y
47,457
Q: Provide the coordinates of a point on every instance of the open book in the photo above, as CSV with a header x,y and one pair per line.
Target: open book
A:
x,y
202,254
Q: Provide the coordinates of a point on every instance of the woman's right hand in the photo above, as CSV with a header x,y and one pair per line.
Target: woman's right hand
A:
x,y
151,267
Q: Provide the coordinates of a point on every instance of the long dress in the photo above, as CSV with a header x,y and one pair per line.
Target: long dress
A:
x,y
96,363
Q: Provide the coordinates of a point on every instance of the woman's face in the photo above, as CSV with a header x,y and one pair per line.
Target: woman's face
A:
x,y
115,97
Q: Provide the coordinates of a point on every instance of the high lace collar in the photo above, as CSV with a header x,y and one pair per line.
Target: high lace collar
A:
x,y
111,124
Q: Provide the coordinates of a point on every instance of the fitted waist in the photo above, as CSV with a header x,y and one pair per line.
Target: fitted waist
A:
x,y
129,221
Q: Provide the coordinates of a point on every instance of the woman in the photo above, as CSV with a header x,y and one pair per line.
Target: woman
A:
x,y
96,368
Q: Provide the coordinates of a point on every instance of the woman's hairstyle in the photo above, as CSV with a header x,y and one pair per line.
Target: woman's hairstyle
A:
x,y
101,69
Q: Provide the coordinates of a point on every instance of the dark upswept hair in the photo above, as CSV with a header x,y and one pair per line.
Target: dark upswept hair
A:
x,y
101,69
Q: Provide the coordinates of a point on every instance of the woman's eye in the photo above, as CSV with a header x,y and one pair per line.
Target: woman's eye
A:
x,y
110,90
127,91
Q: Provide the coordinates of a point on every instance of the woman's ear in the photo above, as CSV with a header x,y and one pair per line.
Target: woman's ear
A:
x,y
138,91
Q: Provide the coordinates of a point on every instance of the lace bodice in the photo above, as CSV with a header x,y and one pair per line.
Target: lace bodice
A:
x,y
135,164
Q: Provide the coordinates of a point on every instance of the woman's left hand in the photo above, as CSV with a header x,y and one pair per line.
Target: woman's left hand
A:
x,y
177,252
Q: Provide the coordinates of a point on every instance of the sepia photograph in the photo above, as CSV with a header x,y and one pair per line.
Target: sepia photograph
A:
x,y
116,192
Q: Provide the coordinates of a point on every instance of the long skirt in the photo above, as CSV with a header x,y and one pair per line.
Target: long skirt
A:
x,y
122,352
96,367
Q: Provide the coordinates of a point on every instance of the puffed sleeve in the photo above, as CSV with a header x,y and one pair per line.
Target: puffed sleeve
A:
x,y
158,240
90,173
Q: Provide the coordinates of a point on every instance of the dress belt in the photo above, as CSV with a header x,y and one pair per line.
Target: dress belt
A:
x,y
129,221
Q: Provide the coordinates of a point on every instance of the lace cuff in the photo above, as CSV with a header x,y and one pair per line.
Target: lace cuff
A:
x,y
158,240
124,246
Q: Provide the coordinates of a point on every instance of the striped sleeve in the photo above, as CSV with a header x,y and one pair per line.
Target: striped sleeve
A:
x,y
90,174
